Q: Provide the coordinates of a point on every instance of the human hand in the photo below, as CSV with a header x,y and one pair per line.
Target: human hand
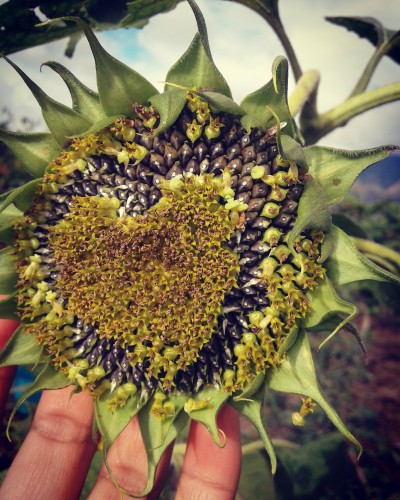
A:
x,y
55,457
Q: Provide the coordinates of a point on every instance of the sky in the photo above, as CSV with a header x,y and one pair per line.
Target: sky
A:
x,y
244,47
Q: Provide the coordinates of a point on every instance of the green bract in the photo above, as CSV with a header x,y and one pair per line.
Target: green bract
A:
x,y
174,249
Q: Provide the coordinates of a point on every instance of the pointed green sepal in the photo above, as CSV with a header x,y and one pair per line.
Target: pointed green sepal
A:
x,y
8,307
22,349
292,150
111,423
48,378
296,374
220,103
251,388
61,120
346,264
118,85
35,150
204,408
313,211
337,169
271,100
7,219
196,69
21,196
324,304
84,100
289,341
253,410
100,125
169,106
8,276
158,433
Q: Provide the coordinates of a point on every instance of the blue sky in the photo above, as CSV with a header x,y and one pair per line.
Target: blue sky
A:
x,y
244,48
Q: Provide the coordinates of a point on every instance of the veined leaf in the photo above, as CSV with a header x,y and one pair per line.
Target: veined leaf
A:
x,y
296,374
196,68
35,150
61,120
84,100
346,264
337,169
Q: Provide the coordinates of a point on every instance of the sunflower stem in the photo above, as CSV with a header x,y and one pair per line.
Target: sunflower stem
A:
x,y
316,126
378,253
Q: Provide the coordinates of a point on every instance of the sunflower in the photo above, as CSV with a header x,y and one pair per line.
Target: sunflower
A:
x,y
174,248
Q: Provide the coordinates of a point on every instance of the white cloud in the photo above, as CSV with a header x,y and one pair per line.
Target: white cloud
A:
x,y
244,47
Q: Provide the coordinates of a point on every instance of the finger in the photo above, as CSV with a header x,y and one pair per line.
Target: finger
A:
x,y
128,462
7,327
210,472
56,454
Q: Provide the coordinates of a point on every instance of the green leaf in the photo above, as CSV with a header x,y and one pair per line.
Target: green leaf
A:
x,y
296,374
8,307
169,106
337,169
7,218
313,212
61,120
325,303
22,349
346,264
374,31
271,100
195,68
35,150
8,276
158,434
84,100
220,103
48,378
253,410
21,196
118,85
207,404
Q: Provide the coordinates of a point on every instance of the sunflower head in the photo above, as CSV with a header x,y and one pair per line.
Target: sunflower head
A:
x,y
173,248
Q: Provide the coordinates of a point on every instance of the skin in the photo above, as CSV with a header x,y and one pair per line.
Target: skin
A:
x,y
54,458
